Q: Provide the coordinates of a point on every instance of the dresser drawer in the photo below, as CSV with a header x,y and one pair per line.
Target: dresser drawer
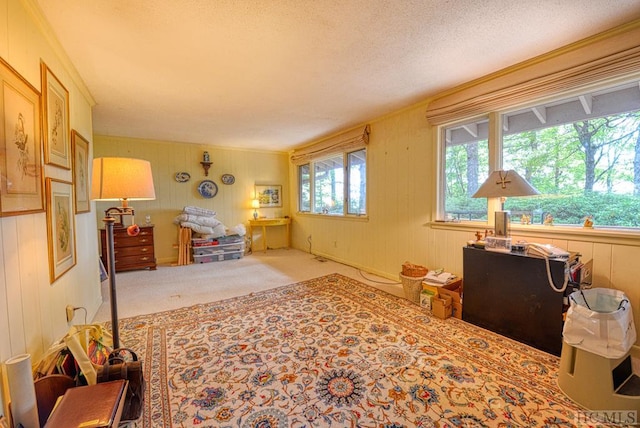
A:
x,y
121,232
130,252
146,250
132,241
135,262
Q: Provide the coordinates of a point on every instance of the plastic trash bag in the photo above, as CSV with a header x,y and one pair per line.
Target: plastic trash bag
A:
x,y
600,320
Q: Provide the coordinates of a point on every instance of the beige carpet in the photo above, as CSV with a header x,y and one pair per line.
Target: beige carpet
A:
x,y
172,287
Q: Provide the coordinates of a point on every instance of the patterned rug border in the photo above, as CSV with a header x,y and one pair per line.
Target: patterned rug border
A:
x,y
512,362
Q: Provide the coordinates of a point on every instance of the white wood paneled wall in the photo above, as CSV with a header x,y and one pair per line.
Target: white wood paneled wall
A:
x,y
32,311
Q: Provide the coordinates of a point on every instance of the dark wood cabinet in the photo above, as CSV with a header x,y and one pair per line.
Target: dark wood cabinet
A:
x,y
131,252
509,294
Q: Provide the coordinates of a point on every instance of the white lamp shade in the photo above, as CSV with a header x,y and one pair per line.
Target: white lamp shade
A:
x,y
122,179
502,184
255,203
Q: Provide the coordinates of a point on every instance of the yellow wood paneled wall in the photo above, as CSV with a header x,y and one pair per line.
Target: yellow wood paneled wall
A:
x,y
399,227
32,311
232,202
399,181
615,260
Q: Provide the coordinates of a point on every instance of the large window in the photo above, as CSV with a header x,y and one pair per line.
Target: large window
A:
x,y
582,153
334,185
466,167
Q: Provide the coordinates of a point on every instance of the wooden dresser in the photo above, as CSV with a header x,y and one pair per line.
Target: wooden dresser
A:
x,y
131,252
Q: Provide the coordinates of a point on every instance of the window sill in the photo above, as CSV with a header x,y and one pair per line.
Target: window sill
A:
x,y
576,233
334,216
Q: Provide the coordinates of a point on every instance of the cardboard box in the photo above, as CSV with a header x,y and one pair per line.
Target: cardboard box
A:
x,y
442,306
456,295
456,299
426,297
453,285
456,310
430,288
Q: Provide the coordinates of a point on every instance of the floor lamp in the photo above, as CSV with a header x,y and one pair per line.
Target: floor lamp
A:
x,y
119,179
502,184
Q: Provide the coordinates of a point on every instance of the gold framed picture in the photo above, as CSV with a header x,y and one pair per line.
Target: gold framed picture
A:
x,y
60,227
55,108
269,195
80,153
21,162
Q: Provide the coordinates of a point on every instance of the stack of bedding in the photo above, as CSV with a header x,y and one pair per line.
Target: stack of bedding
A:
x,y
204,222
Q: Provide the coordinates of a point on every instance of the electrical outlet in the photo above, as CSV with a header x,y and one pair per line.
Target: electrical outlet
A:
x,y
70,311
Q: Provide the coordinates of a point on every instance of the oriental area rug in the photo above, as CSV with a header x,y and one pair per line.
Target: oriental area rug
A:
x,y
333,352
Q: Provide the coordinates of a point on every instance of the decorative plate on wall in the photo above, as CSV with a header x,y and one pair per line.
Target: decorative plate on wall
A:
x,y
207,189
228,179
182,177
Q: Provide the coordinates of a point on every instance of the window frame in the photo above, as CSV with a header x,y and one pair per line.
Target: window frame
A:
x,y
494,141
346,167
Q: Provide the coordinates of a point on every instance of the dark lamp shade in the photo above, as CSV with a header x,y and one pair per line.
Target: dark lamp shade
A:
x,y
502,184
116,179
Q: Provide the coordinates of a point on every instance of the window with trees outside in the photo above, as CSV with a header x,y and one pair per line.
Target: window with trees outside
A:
x,y
334,185
582,153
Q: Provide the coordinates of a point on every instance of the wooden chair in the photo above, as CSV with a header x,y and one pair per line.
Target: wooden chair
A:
x,y
48,389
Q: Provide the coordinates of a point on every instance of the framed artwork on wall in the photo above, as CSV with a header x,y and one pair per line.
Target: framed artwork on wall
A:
x,y
80,154
55,108
22,182
60,227
269,195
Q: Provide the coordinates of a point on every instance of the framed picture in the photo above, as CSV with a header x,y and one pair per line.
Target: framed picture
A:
x,y
80,153
55,108
60,227
269,195
21,180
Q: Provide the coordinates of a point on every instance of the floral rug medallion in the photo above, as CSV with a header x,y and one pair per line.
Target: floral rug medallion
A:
x,y
333,352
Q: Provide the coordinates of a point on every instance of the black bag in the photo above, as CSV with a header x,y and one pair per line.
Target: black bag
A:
x,y
117,368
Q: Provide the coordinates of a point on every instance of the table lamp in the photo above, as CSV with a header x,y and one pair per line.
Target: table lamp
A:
x,y
255,204
502,184
119,179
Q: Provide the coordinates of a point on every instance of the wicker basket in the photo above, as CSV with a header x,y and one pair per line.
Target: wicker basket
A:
x,y
412,287
409,269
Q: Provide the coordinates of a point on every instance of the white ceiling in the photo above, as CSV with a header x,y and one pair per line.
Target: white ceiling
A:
x,y
274,74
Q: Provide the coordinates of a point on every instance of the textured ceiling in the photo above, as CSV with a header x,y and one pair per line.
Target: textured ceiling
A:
x,y
274,74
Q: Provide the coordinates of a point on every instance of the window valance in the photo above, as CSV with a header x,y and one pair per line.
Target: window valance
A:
x,y
607,56
348,141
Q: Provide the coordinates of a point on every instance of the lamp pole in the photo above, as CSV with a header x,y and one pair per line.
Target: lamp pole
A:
x,y
111,263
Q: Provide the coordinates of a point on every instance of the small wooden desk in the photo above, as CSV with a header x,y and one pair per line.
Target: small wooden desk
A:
x,y
268,222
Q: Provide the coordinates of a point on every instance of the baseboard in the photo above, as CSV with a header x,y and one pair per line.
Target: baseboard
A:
x,y
366,269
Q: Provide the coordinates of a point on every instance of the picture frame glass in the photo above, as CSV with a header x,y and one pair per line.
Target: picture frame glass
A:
x,y
22,182
60,227
80,150
269,195
55,98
